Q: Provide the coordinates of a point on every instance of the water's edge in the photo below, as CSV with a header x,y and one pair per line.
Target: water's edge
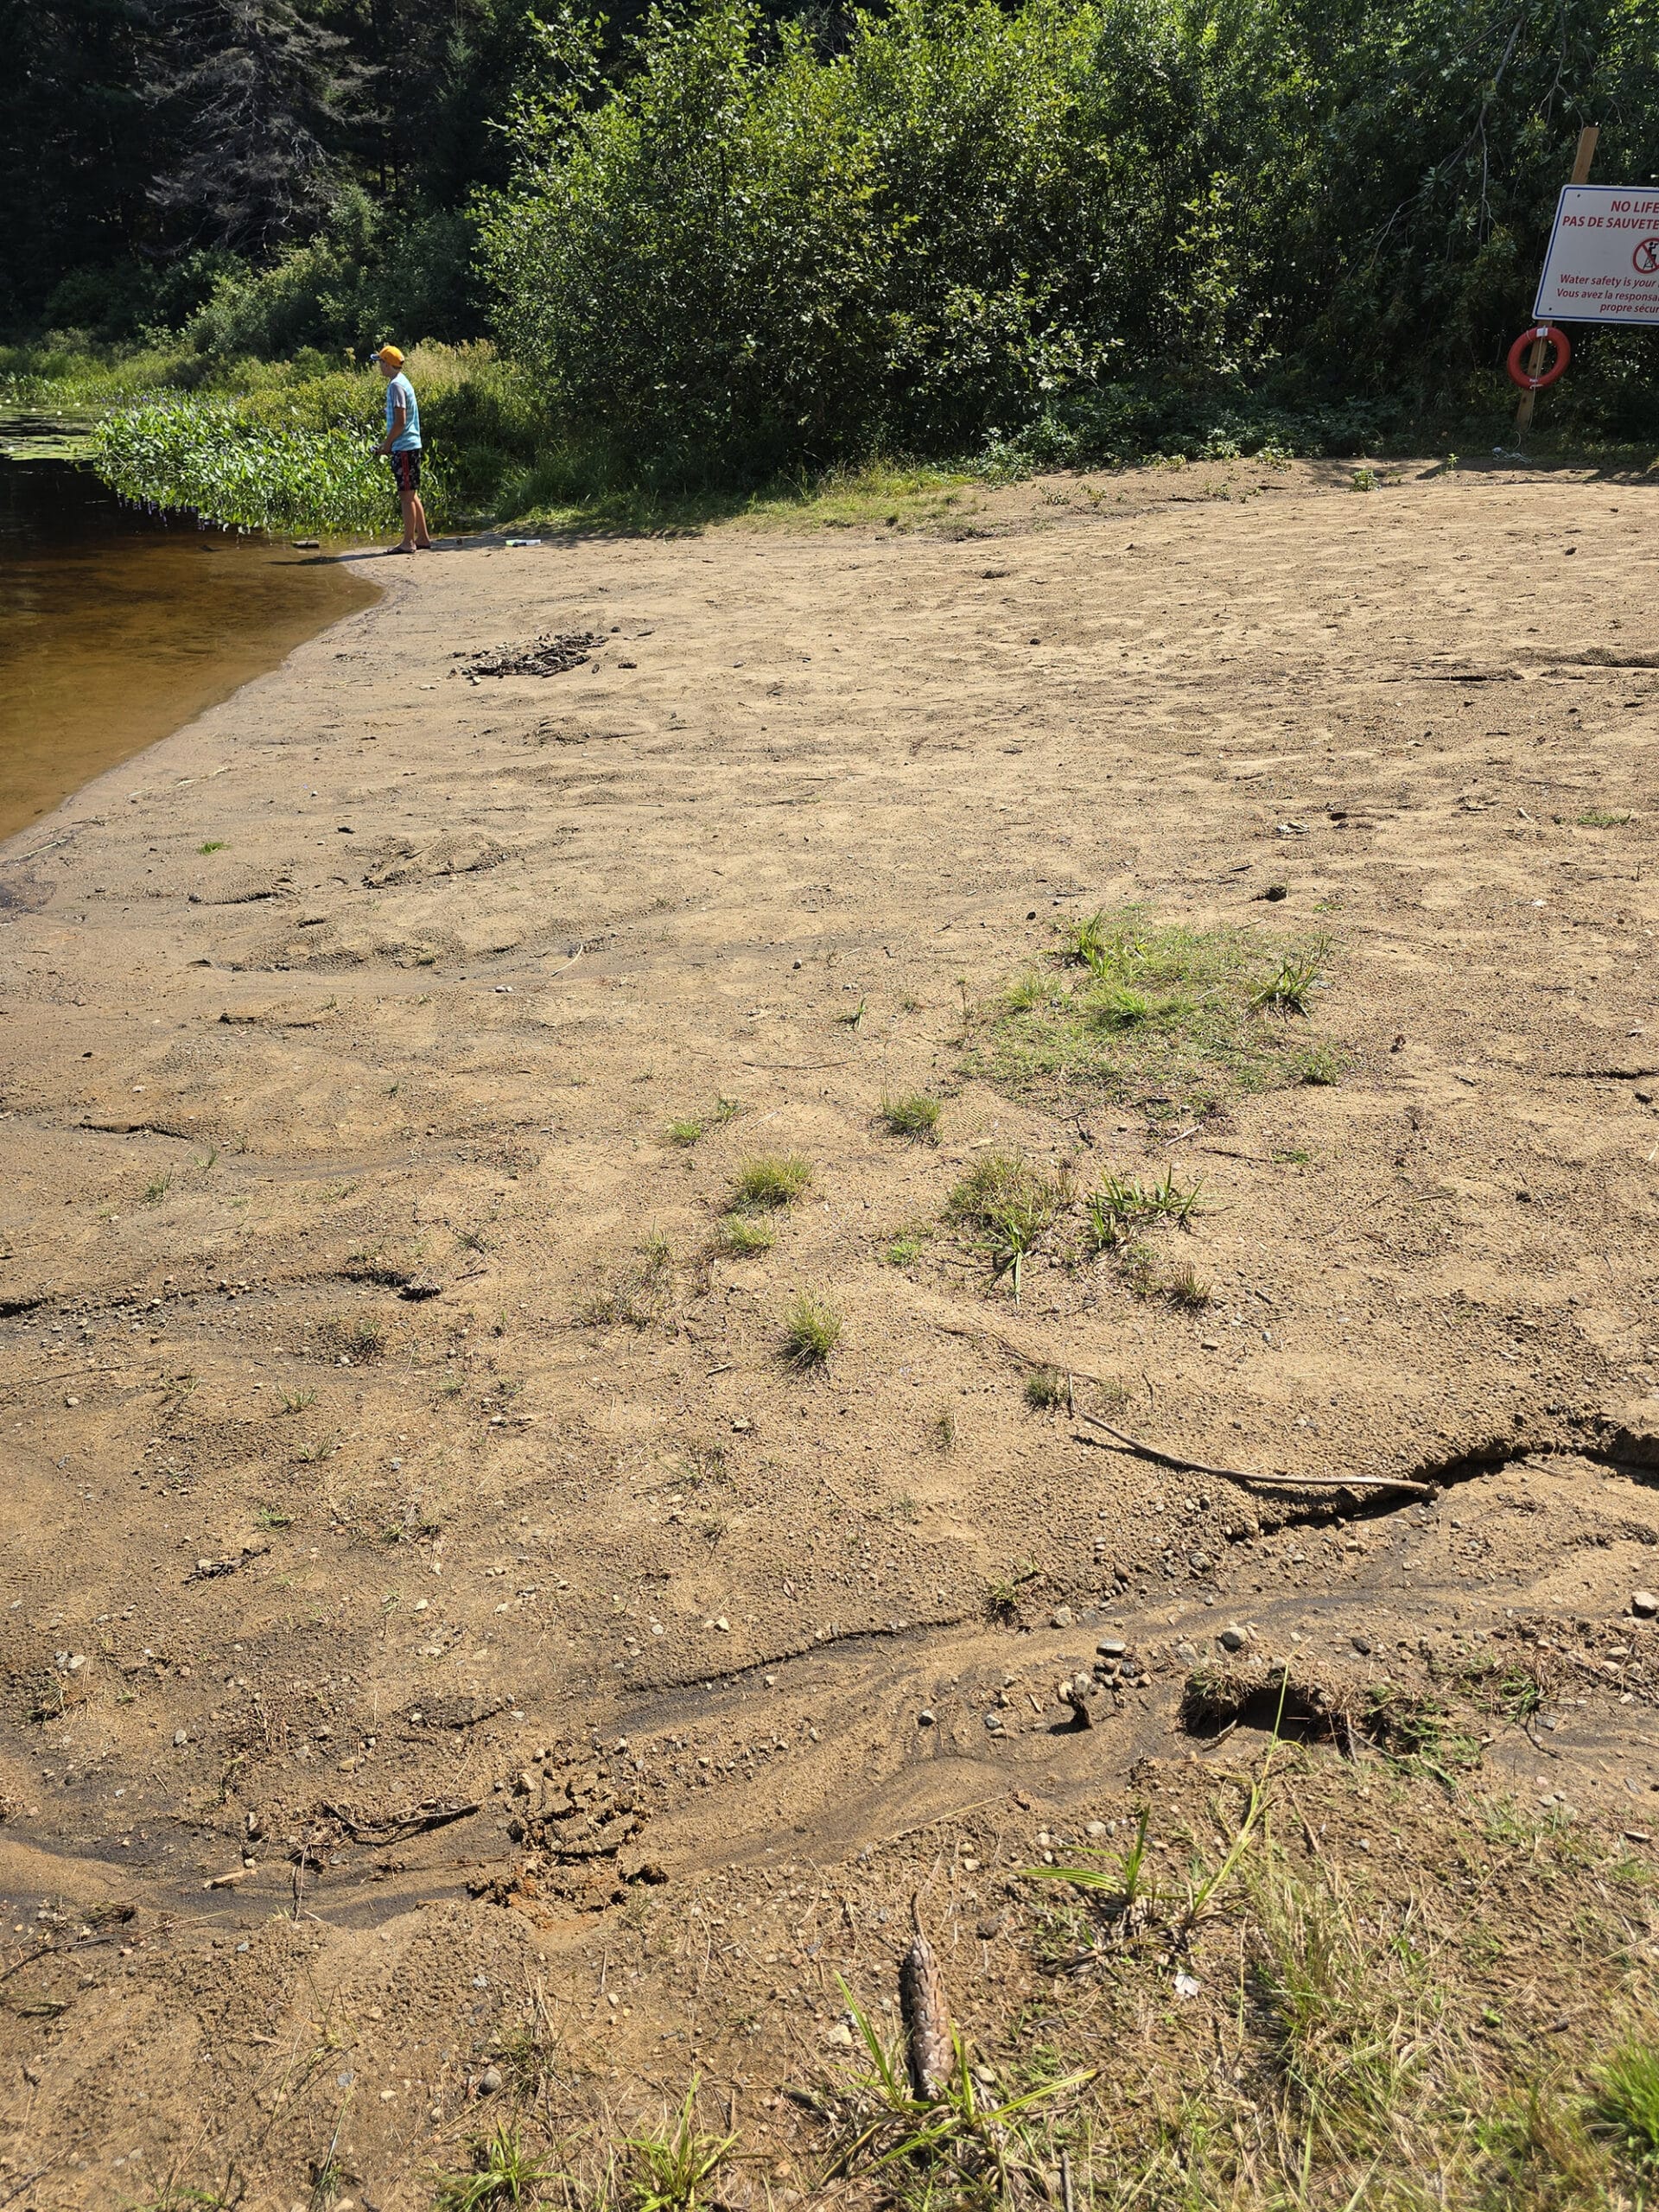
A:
x,y
118,627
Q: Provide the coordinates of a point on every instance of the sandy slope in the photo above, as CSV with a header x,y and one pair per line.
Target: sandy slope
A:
x,y
327,1506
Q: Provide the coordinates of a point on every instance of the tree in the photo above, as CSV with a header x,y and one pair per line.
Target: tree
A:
x,y
263,96
77,144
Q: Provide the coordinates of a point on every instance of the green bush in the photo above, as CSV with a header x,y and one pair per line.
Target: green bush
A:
x,y
129,301
359,281
1059,231
206,457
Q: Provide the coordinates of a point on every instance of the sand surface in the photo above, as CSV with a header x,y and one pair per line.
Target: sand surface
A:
x,y
366,1451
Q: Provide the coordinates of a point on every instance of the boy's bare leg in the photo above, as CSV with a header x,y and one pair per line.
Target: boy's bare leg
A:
x,y
409,502
416,519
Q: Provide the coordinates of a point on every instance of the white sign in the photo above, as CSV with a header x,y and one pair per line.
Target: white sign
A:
x,y
1602,261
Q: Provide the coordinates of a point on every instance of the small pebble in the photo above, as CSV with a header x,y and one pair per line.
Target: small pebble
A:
x,y
1643,1604
489,2081
1231,1638
924,1719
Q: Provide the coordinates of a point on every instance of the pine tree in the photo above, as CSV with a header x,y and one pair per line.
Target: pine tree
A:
x,y
261,92
78,145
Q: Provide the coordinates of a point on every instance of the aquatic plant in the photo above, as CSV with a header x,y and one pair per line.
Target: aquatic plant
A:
x,y
209,458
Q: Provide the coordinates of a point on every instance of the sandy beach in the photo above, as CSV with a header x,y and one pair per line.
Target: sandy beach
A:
x,y
429,1592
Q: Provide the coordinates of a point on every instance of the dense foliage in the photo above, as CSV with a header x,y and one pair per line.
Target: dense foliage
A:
x,y
1054,223
154,153
730,237
199,457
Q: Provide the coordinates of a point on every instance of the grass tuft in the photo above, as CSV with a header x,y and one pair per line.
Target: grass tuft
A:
x,y
1089,943
742,1240
693,1126
978,2141
638,1293
1160,1013
1287,990
504,2173
1014,1206
670,2167
1046,1388
1625,2104
908,1245
1184,1288
914,1116
1002,1593
811,1331
1122,1202
775,1179
1319,1065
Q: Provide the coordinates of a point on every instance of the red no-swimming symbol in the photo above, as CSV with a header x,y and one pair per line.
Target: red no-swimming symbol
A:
x,y
1645,259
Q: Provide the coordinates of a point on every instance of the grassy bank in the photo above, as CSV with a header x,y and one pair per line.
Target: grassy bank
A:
x,y
286,445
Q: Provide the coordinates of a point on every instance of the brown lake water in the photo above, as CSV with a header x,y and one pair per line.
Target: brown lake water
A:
x,y
117,627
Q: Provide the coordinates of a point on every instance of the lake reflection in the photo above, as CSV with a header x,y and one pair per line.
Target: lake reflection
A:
x,y
117,626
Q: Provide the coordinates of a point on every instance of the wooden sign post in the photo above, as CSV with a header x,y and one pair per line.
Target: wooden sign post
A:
x,y
1581,160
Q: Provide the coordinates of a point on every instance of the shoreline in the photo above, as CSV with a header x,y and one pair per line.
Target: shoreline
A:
x,y
119,629
106,781
370,1453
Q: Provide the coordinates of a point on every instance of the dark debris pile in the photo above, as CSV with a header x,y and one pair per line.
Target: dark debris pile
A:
x,y
544,656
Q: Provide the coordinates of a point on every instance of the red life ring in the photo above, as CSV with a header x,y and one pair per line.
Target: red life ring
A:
x,y
1523,345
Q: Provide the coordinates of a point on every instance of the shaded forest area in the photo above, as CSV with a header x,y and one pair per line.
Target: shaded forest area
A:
x,y
719,241
154,155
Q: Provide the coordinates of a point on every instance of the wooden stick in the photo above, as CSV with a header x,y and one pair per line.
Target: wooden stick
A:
x,y
1244,1474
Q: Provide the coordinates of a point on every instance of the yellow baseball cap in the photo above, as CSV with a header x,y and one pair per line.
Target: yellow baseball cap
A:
x,y
391,353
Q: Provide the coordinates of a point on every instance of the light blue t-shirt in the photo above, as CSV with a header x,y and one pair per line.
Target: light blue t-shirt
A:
x,y
408,440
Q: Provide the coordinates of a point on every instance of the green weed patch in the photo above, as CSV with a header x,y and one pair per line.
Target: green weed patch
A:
x,y
207,457
1155,1014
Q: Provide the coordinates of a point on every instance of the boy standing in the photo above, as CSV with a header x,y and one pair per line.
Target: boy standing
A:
x,y
402,445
